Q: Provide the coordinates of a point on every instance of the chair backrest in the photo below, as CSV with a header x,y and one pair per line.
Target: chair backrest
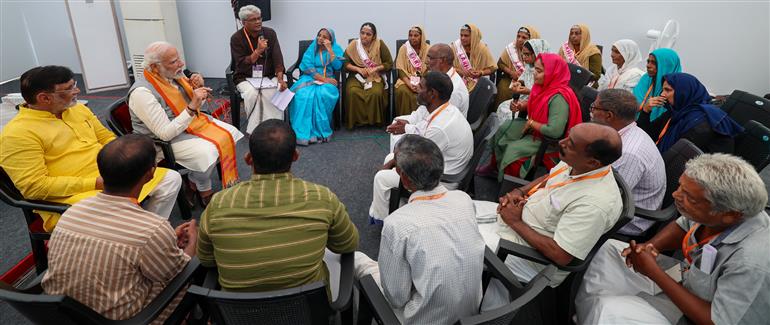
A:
x,y
742,107
579,76
120,117
480,98
47,309
8,191
307,304
754,145
675,160
587,97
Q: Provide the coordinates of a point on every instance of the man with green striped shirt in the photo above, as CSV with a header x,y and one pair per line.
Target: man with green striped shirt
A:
x,y
271,232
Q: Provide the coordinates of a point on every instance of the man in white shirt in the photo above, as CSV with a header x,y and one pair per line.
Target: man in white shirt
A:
x,y
152,108
431,253
441,58
436,119
641,165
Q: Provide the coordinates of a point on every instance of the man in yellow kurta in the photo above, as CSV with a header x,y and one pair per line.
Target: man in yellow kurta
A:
x,y
49,149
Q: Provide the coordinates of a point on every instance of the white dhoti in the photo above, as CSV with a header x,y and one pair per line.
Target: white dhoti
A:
x,y
257,104
608,293
385,180
199,155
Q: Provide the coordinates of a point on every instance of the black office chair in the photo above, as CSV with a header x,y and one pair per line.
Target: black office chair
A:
x,y
742,107
674,159
754,145
293,74
119,121
479,99
307,304
579,76
37,235
568,288
587,97
57,309
235,96
374,305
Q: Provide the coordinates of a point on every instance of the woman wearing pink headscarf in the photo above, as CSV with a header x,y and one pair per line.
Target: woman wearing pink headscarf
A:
x,y
553,109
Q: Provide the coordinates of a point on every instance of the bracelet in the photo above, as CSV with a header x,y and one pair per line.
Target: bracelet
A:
x,y
520,191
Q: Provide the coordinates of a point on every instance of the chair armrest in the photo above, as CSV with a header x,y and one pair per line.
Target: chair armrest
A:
x,y
375,300
168,154
346,283
535,286
497,268
656,215
506,247
43,206
157,305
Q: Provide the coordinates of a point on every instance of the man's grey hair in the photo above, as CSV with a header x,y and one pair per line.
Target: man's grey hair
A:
x,y
154,51
247,11
729,182
619,101
420,160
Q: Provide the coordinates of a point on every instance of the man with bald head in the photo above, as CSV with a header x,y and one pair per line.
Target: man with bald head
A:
x,y
563,214
166,105
441,58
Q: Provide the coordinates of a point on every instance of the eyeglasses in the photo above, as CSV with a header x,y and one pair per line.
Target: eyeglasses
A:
x,y
67,90
595,107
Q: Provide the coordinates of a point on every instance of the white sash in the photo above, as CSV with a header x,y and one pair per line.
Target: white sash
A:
x,y
569,53
511,49
363,55
465,62
414,58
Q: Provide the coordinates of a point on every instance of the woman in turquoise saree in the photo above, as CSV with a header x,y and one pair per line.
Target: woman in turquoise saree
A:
x,y
316,90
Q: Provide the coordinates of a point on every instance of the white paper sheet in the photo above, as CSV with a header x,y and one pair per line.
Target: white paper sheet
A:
x,y
282,99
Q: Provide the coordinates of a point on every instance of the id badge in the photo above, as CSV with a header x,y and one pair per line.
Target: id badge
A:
x,y
256,71
414,80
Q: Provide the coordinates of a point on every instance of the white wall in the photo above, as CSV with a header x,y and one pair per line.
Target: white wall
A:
x,y
35,32
725,44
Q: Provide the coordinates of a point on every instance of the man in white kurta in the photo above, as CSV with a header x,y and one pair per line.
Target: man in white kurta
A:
x,y
443,124
151,116
431,253
440,58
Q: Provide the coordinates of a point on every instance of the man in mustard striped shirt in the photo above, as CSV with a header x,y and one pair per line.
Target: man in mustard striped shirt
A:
x,y
271,232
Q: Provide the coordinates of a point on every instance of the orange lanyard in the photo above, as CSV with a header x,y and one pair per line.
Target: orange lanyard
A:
x,y
324,63
438,111
663,132
428,197
248,39
686,249
641,106
557,185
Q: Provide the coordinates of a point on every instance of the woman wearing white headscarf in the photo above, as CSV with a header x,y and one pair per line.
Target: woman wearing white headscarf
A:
x,y
530,50
626,69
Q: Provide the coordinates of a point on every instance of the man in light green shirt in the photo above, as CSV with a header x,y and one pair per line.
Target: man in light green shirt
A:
x,y
271,232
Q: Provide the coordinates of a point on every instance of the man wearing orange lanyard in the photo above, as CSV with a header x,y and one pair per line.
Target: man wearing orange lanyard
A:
x,y
256,53
724,235
563,214
437,120
431,252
